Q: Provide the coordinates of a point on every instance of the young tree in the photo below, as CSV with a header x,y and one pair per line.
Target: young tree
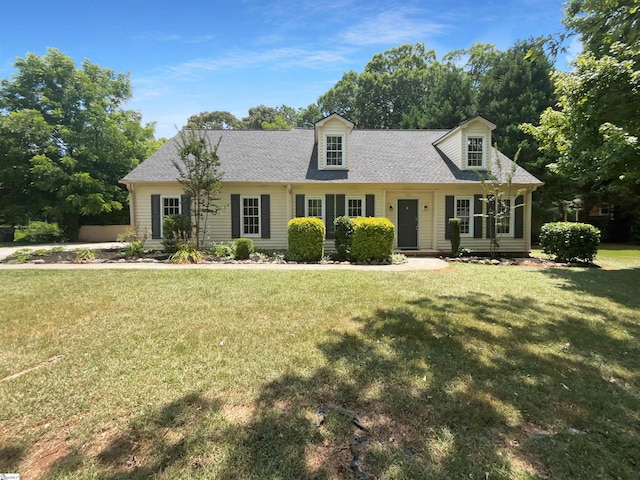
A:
x,y
65,141
198,165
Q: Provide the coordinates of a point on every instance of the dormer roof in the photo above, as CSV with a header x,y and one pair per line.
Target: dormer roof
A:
x,y
478,118
348,126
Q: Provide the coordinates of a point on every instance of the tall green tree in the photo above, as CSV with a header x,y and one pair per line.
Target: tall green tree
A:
x,y
591,135
218,120
66,141
263,115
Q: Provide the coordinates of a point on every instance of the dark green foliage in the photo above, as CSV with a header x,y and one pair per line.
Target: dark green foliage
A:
x,y
244,248
343,233
569,242
372,239
454,225
39,232
176,229
306,239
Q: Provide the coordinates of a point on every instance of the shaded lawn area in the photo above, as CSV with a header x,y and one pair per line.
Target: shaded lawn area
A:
x,y
472,372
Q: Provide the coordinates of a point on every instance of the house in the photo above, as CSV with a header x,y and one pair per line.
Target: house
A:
x,y
418,179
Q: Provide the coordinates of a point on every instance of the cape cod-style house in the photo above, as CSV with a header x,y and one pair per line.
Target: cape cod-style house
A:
x,y
418,179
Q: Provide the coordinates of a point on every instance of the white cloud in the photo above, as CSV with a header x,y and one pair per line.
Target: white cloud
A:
x,y
155,37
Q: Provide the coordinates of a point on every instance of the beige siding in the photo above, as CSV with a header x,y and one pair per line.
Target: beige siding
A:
x,y
333,126
507,244
452,147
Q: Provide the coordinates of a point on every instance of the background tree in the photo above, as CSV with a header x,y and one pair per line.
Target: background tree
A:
x,y
66,141
307,117
197,166
218,120
263,115
591,136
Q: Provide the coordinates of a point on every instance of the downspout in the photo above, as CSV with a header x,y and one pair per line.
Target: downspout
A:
x,y
289,203
132,200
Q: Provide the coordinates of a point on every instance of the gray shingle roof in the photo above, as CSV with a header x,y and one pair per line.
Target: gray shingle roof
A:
x,y
290,156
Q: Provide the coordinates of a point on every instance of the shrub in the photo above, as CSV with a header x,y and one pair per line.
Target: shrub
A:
x,y
569,242
372,239
186,253
176,229
223,249
244,249
39,232
306,239
85,255
343,233
454,236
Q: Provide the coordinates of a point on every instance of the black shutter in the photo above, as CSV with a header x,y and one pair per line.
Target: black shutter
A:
x,y
519,220
340,205
155,217
477,216
185,205
491,220
330,214
300,205
265,216
370,201
449,208
235,215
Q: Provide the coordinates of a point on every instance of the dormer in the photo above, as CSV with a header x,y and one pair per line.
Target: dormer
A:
x,y
333,137
468,145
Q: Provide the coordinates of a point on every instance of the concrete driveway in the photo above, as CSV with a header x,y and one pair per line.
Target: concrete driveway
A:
x,y
412,264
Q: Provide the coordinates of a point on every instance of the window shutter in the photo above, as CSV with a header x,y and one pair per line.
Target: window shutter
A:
x,y
519,217
370,201
340,205
449,208
330,214
265,216
477,218
491,211
185,205
299,205
155,217
235,215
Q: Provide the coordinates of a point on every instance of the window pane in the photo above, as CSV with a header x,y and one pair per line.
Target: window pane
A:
x,y
314,207
474,151
170,206
354,207
463,212
504,217
334,150
251,216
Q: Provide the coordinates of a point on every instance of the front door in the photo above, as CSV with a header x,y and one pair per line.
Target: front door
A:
x,y
408,224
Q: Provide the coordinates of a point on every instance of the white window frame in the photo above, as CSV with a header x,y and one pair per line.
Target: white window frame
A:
x,y
362,206
342,164
243,232
471,213
511,219
162,211
467,152
322,207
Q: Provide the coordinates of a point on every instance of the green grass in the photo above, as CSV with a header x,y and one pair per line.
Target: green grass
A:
x,y
472,372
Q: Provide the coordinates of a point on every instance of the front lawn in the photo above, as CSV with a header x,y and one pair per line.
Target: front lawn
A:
x,y
476,372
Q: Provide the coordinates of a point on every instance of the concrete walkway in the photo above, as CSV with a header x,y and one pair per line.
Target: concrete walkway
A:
x,y
412,264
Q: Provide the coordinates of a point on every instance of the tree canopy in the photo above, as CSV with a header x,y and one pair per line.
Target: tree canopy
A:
x,y
65,141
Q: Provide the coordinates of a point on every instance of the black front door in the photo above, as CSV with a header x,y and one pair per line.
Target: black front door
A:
x,y
407,224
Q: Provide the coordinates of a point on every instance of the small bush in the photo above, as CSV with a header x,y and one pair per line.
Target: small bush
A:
x,y
176,229
454,236
85,255
306,239
570,242
38,232
372,239
343,233
223,249
186,253
244,249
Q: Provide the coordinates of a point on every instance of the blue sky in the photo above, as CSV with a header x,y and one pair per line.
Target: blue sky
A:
x,y
189,57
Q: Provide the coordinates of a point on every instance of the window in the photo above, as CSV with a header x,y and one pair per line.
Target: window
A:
x,y
334,153
170,206
464,213
503,223
314,206
355,206
475,152
250,216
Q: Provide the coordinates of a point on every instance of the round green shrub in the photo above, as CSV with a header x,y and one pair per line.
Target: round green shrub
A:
x,y
372,239
306,239
570,242
244,248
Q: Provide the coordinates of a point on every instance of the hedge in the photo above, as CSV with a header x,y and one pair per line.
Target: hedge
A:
x,y
372,239
569,242
306,239
244,248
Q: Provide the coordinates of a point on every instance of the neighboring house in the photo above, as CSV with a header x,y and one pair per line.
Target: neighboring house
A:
x,y
418,179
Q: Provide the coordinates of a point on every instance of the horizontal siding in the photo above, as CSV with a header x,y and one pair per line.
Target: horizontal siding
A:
x,y
451,147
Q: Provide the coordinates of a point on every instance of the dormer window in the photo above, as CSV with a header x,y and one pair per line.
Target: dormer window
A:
x,y
334,151
475,152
